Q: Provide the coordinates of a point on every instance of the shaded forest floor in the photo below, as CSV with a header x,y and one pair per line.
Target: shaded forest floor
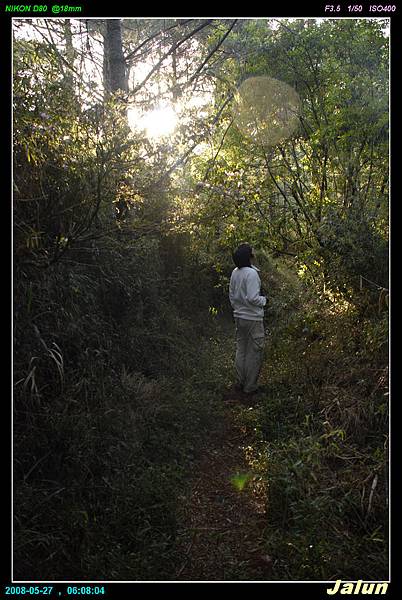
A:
x,y
310,450
177,479
222,518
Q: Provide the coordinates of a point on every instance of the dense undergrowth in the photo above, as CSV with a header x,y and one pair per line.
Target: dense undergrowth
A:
x,y
323,425
116,388
119,377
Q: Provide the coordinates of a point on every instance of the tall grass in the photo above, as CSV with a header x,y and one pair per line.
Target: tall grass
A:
x,y
111,405
325,426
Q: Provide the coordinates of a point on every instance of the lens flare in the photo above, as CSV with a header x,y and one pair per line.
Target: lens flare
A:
x,y
266,110
158,123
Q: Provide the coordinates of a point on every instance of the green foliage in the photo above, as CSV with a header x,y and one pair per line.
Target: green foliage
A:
x,y
325,426
320,195
111,311
120,286
99,419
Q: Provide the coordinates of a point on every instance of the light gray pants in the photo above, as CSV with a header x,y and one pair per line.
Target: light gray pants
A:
x,y
250,339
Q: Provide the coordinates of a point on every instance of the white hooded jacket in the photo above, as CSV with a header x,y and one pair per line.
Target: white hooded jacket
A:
x,y
244,294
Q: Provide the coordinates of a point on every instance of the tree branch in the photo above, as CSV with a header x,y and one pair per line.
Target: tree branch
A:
x,y
151,37
217,152
219,44
169,52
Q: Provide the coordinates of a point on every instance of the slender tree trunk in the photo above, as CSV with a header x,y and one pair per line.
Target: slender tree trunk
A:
x,y
114,64
69,54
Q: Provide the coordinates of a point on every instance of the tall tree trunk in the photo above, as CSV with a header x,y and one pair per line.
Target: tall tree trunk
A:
x,y
70,54
114,64
115,79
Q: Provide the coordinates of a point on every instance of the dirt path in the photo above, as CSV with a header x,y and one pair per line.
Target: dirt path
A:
x,y
223,517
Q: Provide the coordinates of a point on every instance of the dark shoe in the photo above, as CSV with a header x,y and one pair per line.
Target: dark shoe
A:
x,y
259,390
233,394
250,398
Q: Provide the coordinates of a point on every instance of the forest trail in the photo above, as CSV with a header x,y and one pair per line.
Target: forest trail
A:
x,y
222,518
131,460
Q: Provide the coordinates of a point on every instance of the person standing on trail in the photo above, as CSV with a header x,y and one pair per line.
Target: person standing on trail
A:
x,y
248,311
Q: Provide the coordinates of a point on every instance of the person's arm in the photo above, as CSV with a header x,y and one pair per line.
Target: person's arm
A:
x,y
231,291
253,290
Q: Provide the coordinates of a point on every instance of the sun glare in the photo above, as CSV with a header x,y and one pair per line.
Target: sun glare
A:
x,y
157,123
